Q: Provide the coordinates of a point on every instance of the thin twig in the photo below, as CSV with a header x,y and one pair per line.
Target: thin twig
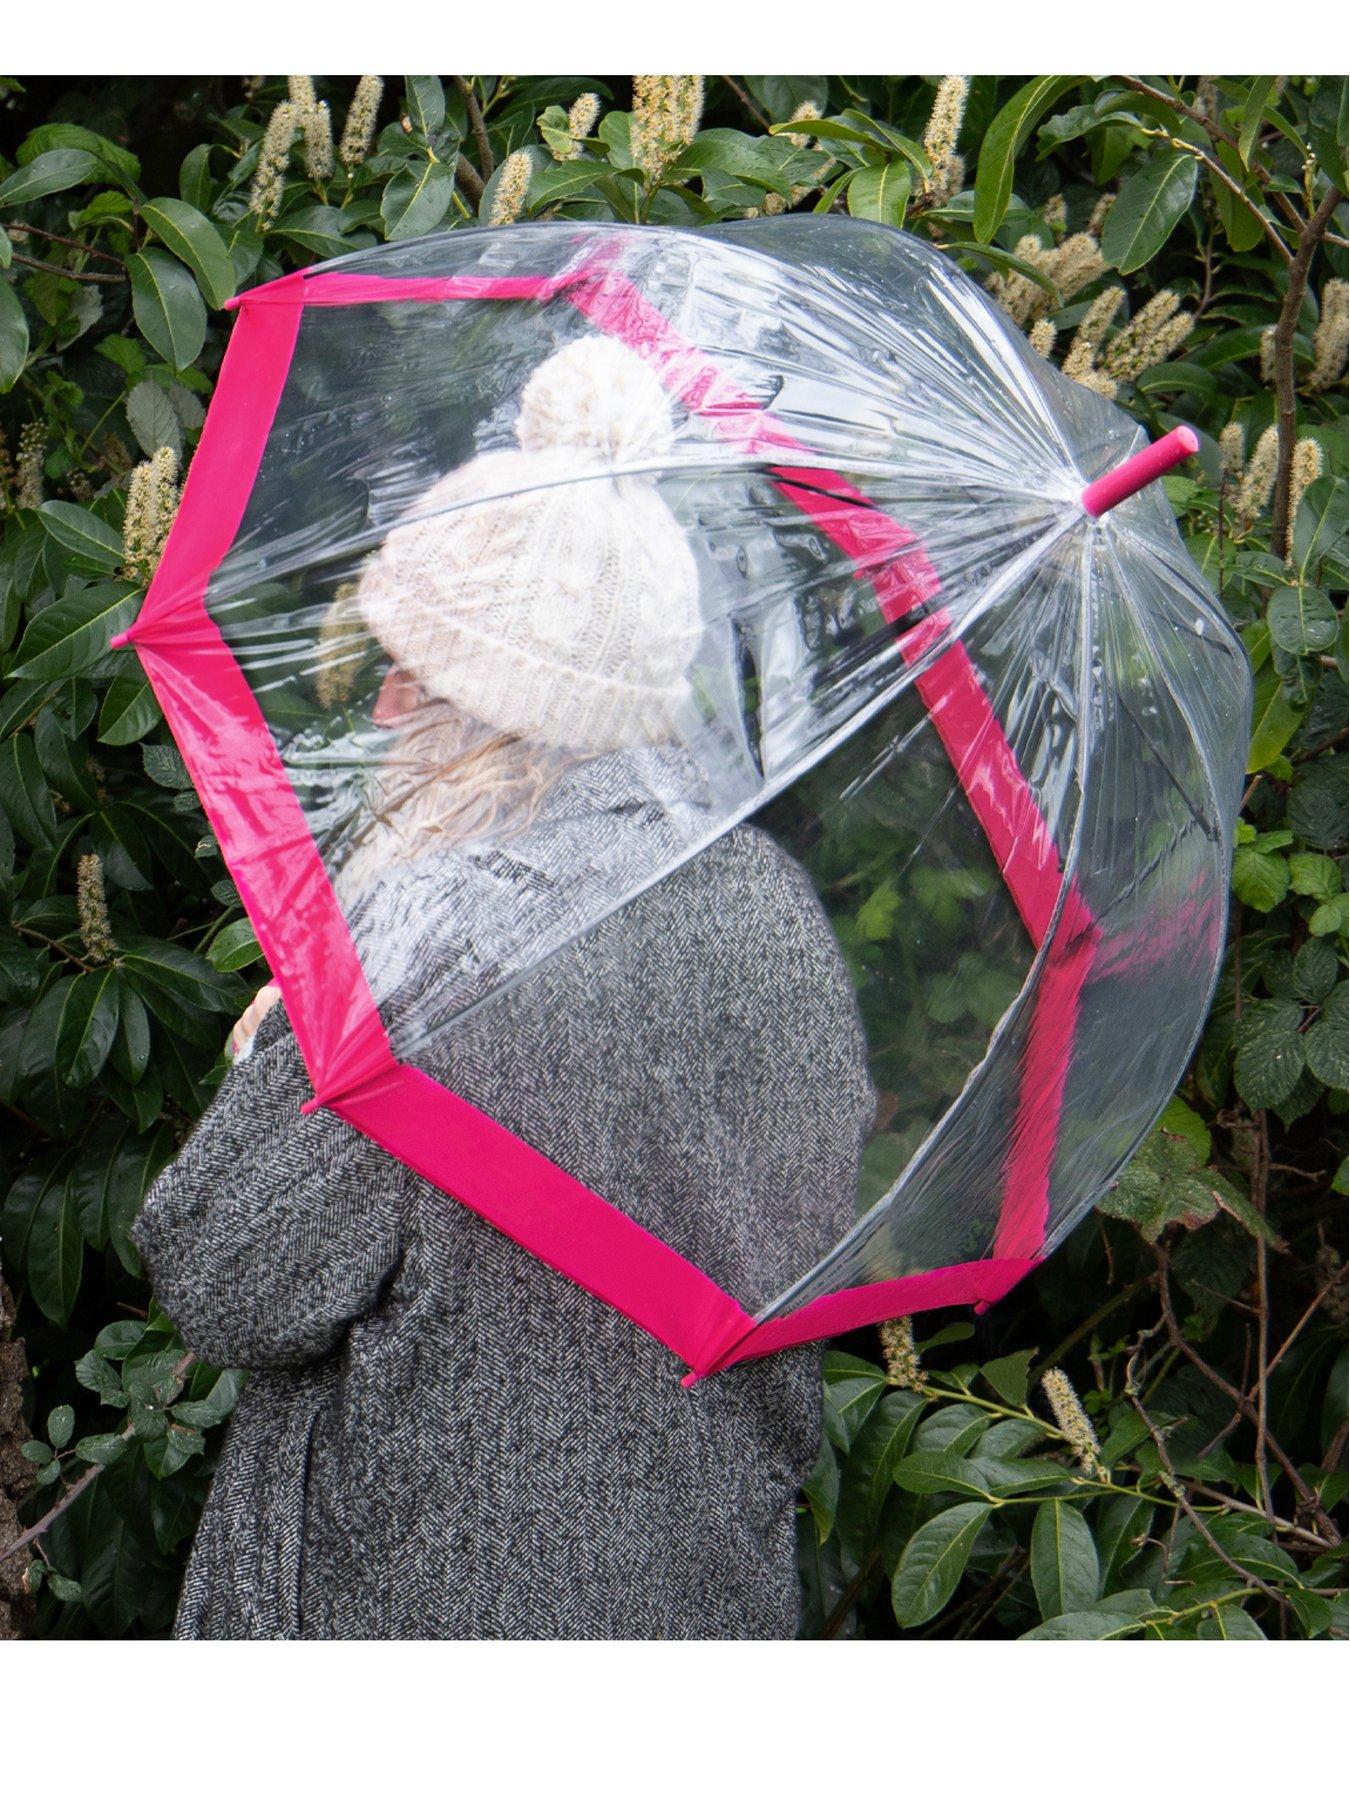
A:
x,y
71,1495
1336,1448
1178,1491
761,119
77,1487
55,237
1217,134
1286,1527
1011,1566
476,125
1306,1315
52,944
1260,1182
1061,1350
1212,1375
46,268
1287,407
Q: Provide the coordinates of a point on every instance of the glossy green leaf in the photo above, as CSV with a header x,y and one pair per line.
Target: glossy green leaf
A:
x,y
1088,1625
194,240
1008,1376
852,1388
50,173
1122,1526
881,192
424,98
1320,529
112,162
1274,722
60,1426
103,1448
168,306
13,336
153,417
867,1474
1147,211
88,1027
1316,810
1269,1052
88,538
1302,620
24,795
939,1472
1242,225
934,1561
55,1258
235,947
1326,1041
1064,1568
130,709
1260,879
1229,1623
1003,142
820,1490
1253,112
416,200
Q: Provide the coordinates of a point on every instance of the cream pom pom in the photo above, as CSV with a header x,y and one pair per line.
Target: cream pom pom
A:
x,y
597,398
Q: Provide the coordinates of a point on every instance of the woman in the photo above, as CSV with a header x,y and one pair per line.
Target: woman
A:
x,y
440,1436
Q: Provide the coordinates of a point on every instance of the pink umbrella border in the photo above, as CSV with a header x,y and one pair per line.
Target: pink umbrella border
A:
x,y
271,853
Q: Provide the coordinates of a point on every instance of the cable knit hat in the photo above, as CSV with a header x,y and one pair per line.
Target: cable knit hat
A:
x,y
537,591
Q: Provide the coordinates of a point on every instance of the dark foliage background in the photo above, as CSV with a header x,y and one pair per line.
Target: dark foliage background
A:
x,y
1148,1439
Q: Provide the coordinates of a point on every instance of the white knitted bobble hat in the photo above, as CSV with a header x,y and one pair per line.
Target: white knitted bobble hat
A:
x,y
538,592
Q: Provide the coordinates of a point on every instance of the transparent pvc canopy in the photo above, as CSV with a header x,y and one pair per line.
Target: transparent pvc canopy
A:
x,y
848,558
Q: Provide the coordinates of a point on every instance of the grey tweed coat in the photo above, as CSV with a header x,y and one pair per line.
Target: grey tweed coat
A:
x,y
440,1436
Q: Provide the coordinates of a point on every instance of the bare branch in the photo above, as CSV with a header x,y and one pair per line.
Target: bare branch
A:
x,y
476,125
1287,406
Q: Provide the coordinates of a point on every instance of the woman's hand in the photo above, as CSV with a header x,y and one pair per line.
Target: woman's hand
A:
x,y
241,1038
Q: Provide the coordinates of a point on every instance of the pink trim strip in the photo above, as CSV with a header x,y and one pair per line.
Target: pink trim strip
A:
x,y
1137,471
1024,849
987,768
555,1216
252,375
963,1284
361,290
1030,1161
225,741
269,850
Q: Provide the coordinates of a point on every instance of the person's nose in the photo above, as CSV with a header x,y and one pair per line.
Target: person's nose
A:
x,y
400,694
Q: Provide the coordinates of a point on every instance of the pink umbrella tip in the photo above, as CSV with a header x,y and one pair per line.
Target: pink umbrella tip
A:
x,y
1138,470
122,637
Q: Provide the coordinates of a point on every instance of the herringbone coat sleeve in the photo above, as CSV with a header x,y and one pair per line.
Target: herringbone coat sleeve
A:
x,y
273,1230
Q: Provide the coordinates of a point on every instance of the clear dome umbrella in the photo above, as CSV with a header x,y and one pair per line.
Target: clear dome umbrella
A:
x,y
925,619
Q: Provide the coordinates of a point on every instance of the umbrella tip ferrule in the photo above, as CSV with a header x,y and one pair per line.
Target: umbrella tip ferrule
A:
x,y
1138,470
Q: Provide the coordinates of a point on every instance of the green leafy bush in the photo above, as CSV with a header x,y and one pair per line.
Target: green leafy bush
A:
x,y
1176,243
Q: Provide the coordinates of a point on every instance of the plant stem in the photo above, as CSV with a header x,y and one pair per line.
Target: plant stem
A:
x,y
77,1487
1089,1324
46,268
1287,407
1276,1523
1178,1491
468,177
55,237
67,1499
477,126
761,119
1239,1399
1259,1185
